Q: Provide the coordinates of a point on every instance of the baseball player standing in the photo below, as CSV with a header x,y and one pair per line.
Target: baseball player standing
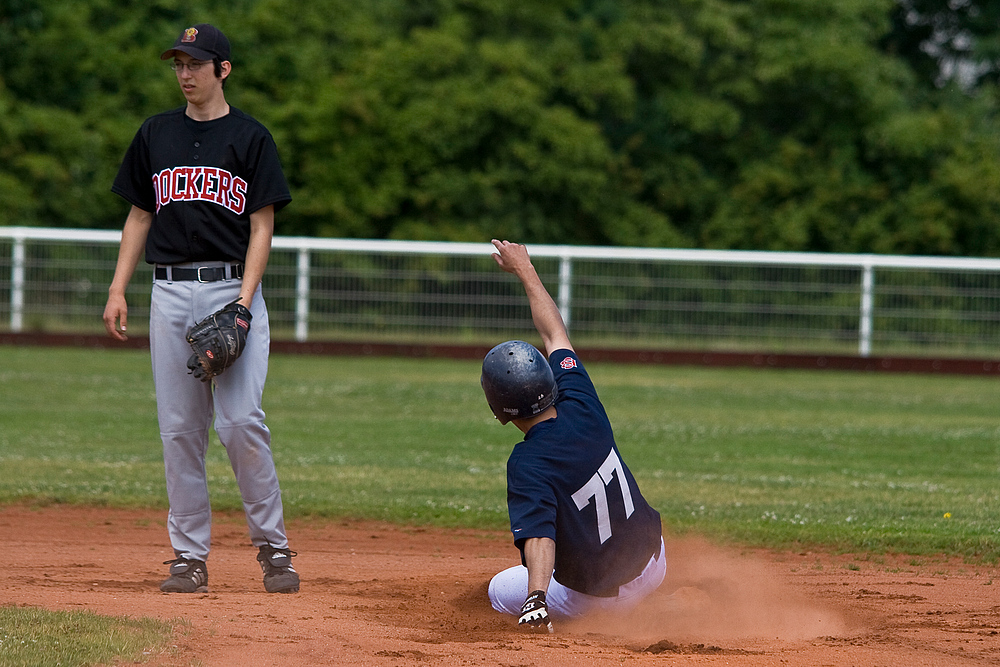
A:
x,y
588,539
204,182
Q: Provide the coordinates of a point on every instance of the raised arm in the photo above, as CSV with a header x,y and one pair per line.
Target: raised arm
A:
x,y
513,258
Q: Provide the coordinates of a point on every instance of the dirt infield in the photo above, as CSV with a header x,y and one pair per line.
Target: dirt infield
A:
x,y
376,594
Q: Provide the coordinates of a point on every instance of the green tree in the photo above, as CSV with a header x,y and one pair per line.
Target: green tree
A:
x,y
469,121
947,40
77,78
764,124
789,129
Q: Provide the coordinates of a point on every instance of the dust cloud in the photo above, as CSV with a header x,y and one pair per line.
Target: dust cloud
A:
x,y
711,596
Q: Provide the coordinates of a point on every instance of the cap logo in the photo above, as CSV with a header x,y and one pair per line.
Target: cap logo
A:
x,y
190,35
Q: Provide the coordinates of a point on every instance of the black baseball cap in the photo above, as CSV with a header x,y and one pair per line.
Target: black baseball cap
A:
x,y
202,41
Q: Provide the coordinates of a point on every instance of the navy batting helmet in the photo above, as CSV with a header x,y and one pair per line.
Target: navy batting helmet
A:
x,y
517,381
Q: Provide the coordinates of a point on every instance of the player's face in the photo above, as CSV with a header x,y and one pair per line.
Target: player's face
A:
x,y
197,78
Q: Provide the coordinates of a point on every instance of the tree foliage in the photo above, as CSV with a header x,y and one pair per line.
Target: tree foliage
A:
x,y
947,39
764,124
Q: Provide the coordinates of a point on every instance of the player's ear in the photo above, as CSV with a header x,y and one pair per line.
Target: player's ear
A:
x,y
225,67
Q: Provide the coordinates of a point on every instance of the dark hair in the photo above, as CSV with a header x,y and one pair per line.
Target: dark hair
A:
x,y
217,65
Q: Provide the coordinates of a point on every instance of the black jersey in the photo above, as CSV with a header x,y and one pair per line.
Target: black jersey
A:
x,y
201,180
567,481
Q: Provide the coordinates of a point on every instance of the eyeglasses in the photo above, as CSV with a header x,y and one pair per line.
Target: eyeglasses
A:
x,y
192,66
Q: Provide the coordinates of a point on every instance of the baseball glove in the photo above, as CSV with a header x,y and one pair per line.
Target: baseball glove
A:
x,y
218,341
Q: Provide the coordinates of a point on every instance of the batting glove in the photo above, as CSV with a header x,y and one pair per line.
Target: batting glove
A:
x,y
535,613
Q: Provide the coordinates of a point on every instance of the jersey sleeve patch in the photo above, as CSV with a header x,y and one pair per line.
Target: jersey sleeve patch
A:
x,y
567,363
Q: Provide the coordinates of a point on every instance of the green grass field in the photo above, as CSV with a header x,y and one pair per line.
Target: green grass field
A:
x,y
860,462
37,638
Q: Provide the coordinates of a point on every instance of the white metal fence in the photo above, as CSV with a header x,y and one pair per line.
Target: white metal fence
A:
x,y
56,280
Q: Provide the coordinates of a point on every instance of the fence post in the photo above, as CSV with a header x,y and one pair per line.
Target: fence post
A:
x,y
865,327
17,285
302,296
565,288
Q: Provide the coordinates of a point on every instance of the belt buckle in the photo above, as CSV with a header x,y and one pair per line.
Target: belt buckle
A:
x,y
200,269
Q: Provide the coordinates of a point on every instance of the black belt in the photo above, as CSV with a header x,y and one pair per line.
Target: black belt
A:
x,y
203,274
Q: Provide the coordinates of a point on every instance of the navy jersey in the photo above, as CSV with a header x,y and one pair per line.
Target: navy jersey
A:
x,y
567,481
201,180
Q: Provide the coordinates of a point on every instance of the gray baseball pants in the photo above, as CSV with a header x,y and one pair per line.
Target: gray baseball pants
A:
x,y
186,406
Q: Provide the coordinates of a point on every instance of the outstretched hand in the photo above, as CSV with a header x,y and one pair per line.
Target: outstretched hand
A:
x,y
511,257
